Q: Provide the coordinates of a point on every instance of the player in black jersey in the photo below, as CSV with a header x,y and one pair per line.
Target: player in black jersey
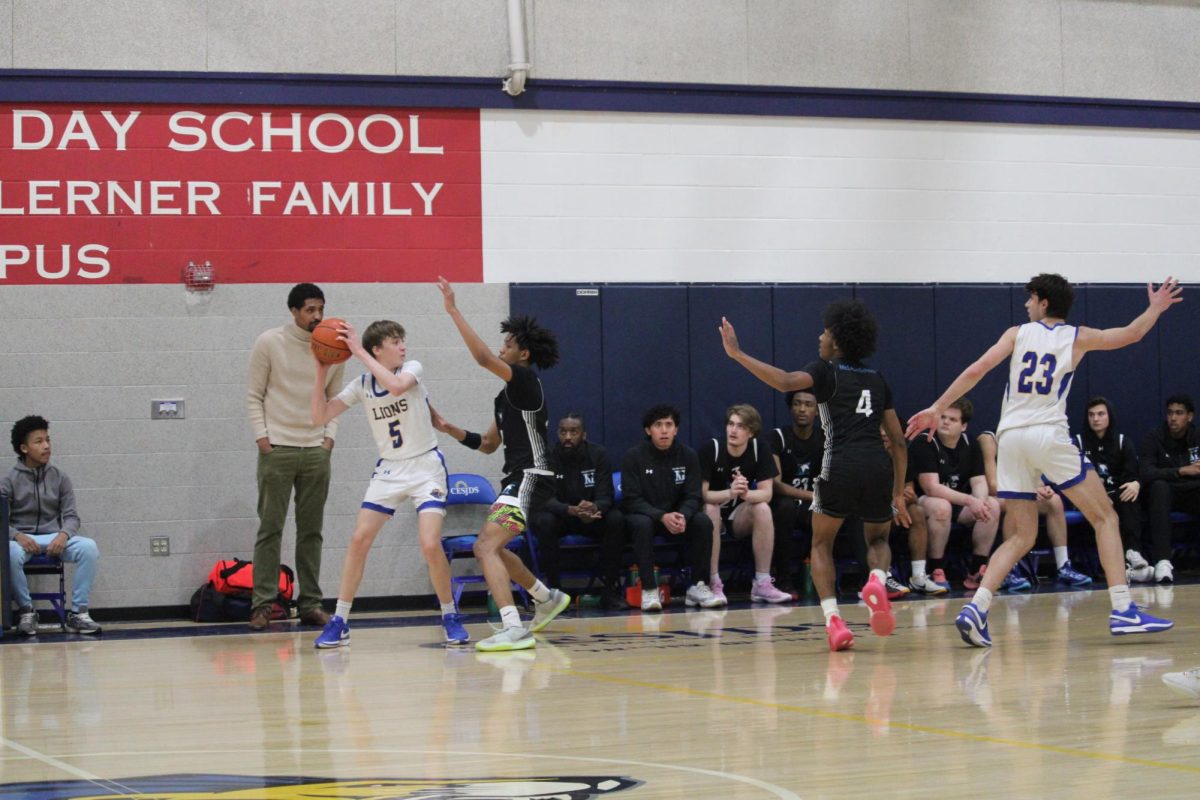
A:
x,y
858,475
520,425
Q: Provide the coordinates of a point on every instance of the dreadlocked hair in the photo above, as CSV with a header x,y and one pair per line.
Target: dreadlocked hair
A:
x,y
541,343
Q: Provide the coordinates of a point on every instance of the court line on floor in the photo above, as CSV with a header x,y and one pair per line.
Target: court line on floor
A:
x,y
777,791
51,761
843,717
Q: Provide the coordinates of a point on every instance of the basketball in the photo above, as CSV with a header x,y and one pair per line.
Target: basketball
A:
x,y
326,345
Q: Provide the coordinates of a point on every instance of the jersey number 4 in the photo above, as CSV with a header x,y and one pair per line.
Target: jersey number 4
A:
x,y
864,403
1025,384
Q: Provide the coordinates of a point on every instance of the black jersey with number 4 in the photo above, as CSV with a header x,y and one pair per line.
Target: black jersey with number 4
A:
x,y
521,418
851,399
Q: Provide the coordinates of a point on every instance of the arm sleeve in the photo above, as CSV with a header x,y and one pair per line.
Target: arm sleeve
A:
x,y
1149,467
922,455
257,374
6,492
554,504
691,500
633,499
603,496
333,380
68,517
1129,462
975,468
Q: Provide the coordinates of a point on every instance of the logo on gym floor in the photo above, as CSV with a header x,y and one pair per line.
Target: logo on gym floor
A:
x,y
229,787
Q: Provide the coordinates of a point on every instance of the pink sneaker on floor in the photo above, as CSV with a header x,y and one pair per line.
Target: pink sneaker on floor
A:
x,y
765,591
874,594
718,592
839,636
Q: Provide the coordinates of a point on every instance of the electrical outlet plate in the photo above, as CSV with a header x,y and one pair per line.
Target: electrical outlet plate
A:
x,y
167,409
160,546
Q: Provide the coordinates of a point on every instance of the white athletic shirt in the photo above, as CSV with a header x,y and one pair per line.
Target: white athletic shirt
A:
x,y
399,423
1039,376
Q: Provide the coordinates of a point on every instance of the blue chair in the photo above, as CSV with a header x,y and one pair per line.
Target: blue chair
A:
x,y
50,565
470,489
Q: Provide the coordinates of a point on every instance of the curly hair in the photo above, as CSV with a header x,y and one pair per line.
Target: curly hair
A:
x,y
1055,290
853,328
25,426
541,343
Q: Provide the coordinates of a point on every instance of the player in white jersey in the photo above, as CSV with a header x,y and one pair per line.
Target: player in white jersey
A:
x,y
1035,446
410,467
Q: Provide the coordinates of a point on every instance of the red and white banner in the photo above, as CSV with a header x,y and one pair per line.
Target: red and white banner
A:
x,y
96,193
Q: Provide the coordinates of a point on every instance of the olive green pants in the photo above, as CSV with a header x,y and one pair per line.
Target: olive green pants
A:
x,y
306,470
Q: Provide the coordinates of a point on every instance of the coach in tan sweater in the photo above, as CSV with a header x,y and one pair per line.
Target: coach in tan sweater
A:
x,y
292,454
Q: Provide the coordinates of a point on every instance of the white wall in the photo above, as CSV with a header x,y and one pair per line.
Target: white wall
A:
x,y
572,196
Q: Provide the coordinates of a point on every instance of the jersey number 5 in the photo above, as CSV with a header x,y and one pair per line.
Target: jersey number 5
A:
x,y
394,432
864,403
1031,361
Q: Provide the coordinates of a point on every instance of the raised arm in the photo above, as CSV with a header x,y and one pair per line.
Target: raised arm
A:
x,y
483,356
771,375
1158,301
926,421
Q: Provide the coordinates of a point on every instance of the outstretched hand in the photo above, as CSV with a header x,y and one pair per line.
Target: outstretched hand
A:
x,y
922,422
1165,296
729,338
347,334
447,293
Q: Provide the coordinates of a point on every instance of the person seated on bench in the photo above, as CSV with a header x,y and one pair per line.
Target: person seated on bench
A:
x,y
1170,470
798,450
582,504
1116,463
42,521
952,487
735,480
660,487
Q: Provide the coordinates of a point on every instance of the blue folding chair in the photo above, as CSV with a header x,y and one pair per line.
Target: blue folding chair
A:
x,y
470,489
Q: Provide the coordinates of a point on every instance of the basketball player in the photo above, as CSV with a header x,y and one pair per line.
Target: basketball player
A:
x,y
1035,446
520,425
410,467
856,471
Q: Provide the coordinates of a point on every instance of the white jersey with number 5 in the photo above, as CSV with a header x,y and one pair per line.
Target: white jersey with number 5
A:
x,y
1039,376
400,423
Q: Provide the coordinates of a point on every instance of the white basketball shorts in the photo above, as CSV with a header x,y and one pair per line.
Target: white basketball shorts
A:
x,y
1035,455
421,479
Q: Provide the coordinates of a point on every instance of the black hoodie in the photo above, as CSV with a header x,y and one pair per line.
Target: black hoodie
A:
x,y
1162,455
1113,456
656,482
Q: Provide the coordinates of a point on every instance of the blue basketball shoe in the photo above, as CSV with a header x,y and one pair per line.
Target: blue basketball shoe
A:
x,y
1014,581
455,632
972,626
1072,577
1121,623
335,634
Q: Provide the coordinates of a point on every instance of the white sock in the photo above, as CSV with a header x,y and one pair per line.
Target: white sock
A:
x,y
510,617
1060,556
448,608
539,592
759,577
883,576
343,609
918,569
830,607
982,599
1121,601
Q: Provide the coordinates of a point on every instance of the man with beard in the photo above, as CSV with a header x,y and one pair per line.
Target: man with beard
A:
x,y
293,454
582,504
